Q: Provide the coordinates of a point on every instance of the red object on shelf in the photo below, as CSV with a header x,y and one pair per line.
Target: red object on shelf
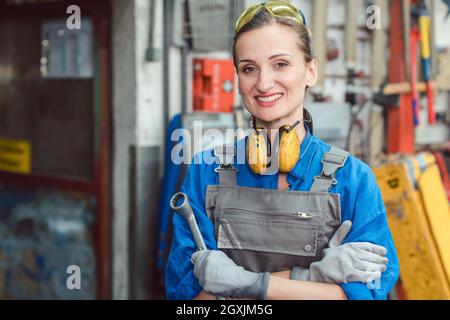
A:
x,y
213,85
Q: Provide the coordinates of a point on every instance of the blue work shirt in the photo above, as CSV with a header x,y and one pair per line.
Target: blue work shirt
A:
x,y
360,199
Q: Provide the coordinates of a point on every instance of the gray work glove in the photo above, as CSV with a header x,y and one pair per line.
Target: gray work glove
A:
x,y
342,263
219,275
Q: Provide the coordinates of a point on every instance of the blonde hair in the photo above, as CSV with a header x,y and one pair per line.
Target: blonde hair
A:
x,y
264,18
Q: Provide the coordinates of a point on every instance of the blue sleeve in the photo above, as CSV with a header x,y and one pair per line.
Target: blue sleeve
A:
x,y
181,284
366,209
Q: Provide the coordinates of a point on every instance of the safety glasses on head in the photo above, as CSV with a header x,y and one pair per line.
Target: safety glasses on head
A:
x,y
281,9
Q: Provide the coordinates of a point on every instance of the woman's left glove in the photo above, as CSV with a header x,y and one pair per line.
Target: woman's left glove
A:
x,y
219,275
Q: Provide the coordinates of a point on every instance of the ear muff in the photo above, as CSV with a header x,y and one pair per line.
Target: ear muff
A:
x,y
289,149
258,149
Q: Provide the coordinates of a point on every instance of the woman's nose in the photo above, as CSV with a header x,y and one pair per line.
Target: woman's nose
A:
x,y
266,82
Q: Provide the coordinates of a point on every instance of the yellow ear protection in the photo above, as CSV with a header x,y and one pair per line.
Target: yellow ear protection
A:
x,y
259,150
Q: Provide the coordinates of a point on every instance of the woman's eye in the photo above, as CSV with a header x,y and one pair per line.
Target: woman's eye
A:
x,y
281,65
248,69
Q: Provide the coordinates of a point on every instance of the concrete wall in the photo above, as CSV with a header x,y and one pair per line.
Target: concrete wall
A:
x,y
138,136
124,122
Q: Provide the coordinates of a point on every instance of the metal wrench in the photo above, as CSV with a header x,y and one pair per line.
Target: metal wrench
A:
x,y
185,210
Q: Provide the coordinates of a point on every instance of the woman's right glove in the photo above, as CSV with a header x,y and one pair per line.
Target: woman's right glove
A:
x,y
342,263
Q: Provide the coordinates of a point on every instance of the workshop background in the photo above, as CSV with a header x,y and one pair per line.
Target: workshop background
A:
x,y
91,93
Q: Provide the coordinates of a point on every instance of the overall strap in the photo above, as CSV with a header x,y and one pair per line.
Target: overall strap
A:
x,y
227,172
332,161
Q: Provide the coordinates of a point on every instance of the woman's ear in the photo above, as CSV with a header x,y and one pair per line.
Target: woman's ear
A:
x,y
311,73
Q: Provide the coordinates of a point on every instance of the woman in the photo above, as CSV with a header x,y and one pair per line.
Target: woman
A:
x,y
273,223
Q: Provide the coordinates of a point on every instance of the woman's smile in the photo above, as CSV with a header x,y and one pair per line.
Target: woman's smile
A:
x,y
268,100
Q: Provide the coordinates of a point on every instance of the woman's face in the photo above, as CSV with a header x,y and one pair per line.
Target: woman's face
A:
x,y
272,72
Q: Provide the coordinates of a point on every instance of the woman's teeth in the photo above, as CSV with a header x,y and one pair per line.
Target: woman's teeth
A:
x,y
269,99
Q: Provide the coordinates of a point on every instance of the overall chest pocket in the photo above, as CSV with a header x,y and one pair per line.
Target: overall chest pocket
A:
x,y
291,233
272,230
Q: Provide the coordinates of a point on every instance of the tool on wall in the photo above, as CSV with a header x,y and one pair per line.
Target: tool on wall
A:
x,y
351,40
351,34
414,38
422,21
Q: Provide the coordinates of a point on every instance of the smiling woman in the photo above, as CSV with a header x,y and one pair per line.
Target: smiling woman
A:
x,y
313,227
273,75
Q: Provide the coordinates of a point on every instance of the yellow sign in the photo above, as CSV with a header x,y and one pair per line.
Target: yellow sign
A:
x,y
15,156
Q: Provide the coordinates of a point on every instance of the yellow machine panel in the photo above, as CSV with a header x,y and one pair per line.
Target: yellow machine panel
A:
x,y
422,268
436,205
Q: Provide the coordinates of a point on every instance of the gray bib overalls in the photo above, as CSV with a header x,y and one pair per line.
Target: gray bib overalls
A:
x,y
273,230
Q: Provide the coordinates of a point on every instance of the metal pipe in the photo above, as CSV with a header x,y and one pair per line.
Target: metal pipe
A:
x,y
184,77
152,54
167,41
